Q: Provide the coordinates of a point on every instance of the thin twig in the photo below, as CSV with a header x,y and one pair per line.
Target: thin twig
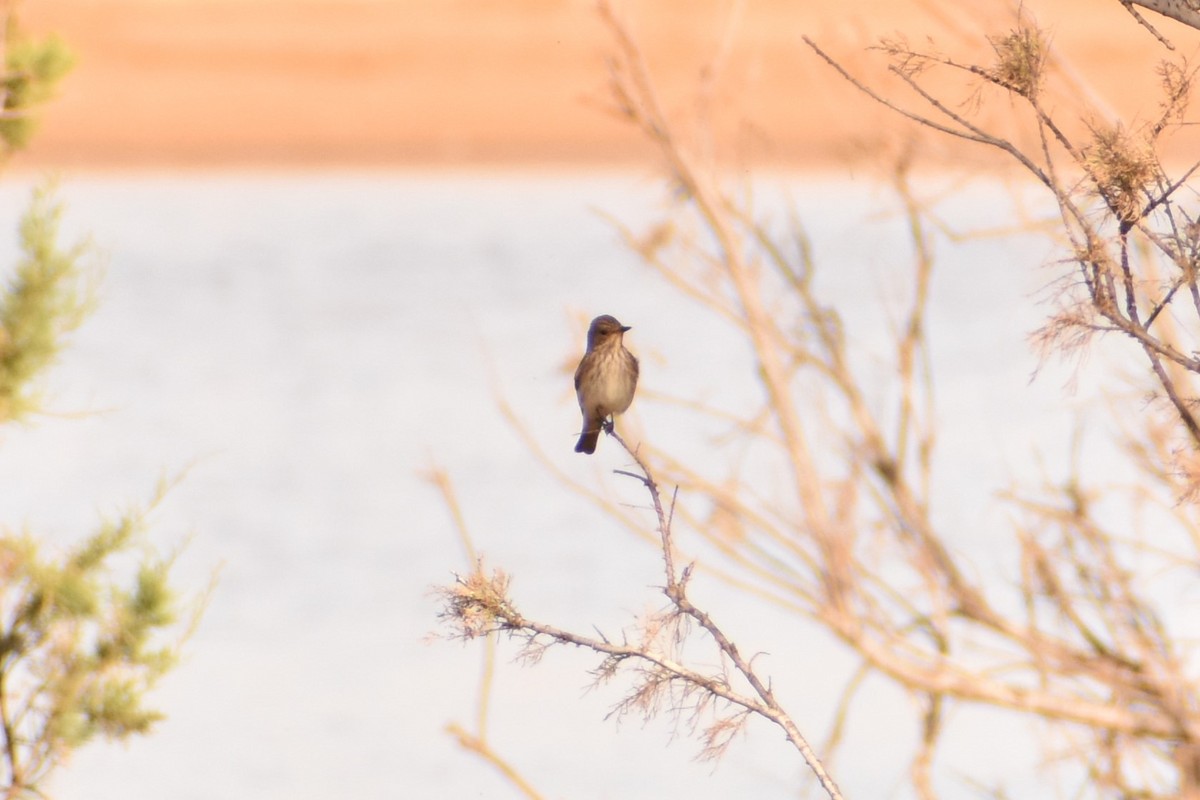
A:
x,y
676,592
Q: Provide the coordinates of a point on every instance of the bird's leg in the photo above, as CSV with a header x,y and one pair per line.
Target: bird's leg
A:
x,y
607,425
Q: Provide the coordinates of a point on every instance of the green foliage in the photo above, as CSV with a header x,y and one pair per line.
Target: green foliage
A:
x,y
81,642
44,301
33,70
82,631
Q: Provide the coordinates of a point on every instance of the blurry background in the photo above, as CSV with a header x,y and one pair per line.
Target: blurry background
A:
x,y
333,234
454,83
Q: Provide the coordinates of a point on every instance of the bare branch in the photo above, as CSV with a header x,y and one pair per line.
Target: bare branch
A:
x,y
1185,11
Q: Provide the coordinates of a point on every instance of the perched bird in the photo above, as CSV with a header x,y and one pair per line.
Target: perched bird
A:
x,y
604,380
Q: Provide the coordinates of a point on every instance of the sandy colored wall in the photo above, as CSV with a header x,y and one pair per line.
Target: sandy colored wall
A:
x,y
465,82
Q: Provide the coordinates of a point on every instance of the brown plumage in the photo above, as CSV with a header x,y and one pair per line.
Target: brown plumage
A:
x,y
605,379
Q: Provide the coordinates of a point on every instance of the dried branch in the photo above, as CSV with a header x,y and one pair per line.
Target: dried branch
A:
x,y
478,742
847,535
479,605
1185,11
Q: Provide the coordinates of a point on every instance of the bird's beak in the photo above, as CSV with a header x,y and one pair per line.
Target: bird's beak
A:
x,y
626,328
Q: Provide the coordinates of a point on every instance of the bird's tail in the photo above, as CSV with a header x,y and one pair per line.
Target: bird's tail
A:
x,y
587,440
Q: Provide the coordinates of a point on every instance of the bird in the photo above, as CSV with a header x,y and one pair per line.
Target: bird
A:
x,y
605,379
